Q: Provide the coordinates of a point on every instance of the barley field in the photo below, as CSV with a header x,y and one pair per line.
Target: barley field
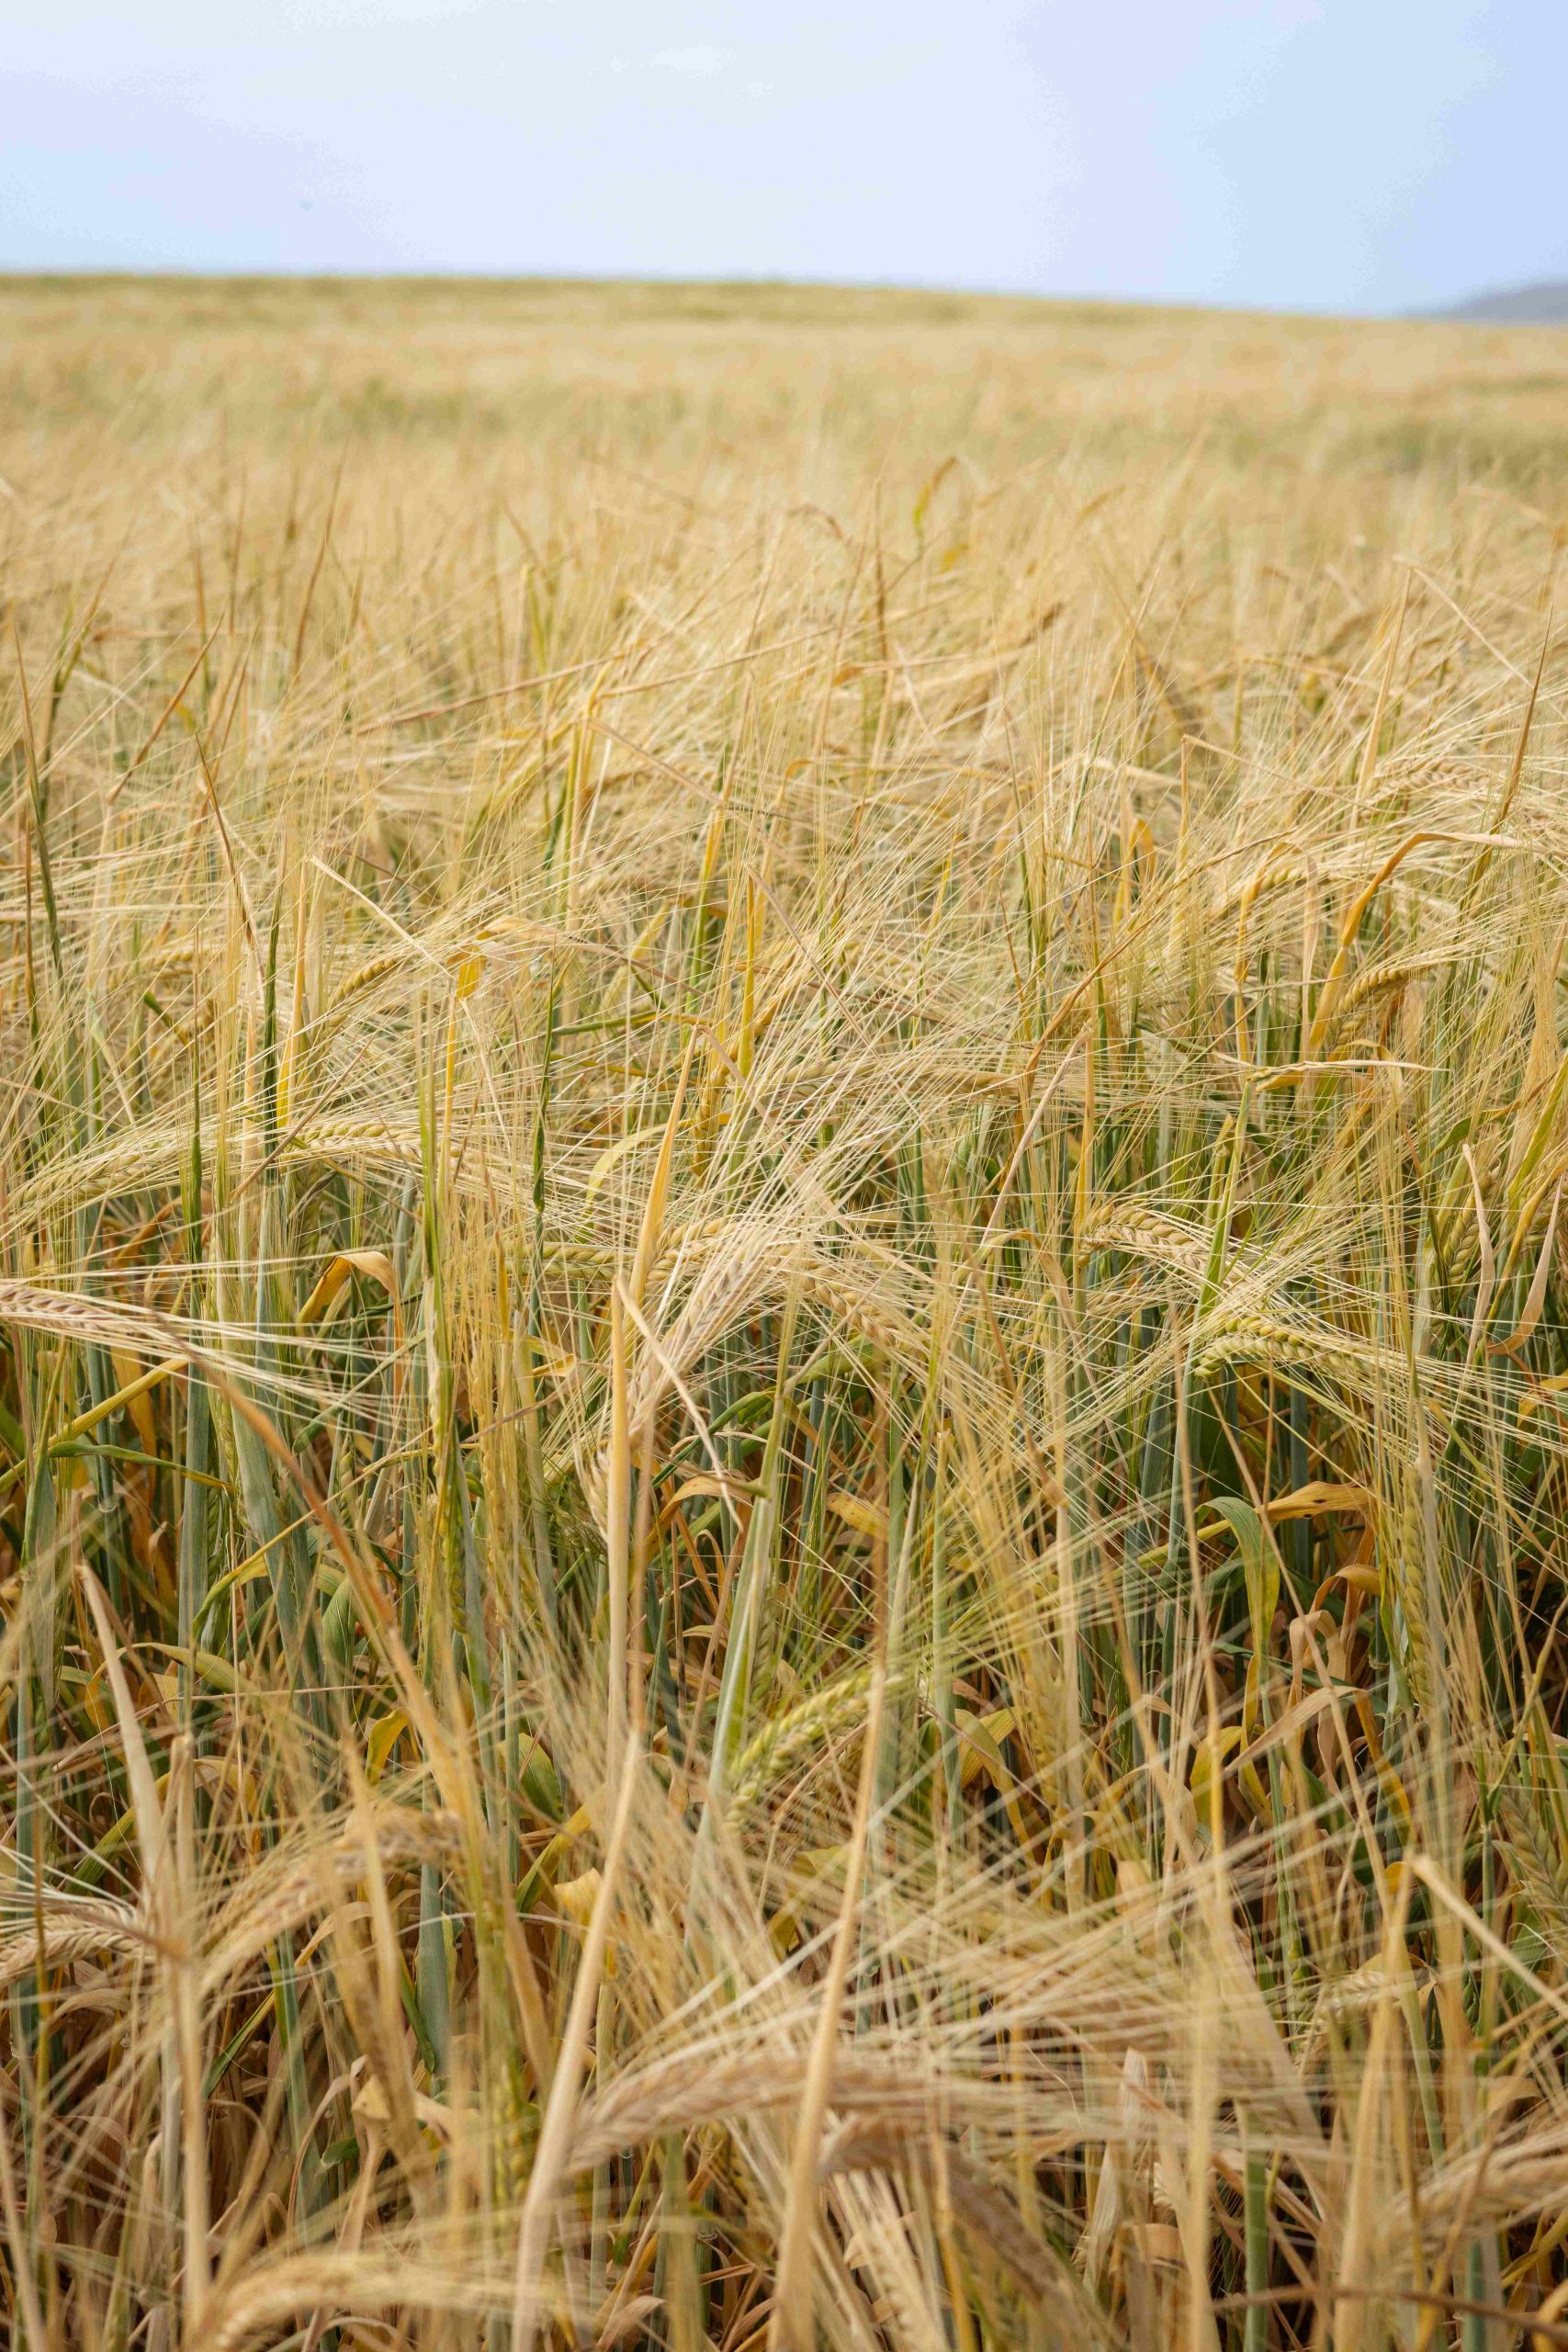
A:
x,y
784,1323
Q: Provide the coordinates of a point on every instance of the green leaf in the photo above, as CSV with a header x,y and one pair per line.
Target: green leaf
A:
x,y
1259,1565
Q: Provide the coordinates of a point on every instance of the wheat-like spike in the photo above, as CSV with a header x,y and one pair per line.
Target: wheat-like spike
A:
x,y
1284,874
298,1891
364,1138
93,1322
367,976
1539,1860
828,1291
62,1942
1395,974
814,1720
1143,1232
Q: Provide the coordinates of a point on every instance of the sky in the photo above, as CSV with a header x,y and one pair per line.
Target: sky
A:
x,y
1341,156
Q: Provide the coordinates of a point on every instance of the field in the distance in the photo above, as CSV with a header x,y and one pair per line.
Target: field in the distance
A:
x,y
782,1371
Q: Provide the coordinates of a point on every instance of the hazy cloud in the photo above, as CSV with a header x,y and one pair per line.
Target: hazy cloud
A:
x,y
1304,154
701,59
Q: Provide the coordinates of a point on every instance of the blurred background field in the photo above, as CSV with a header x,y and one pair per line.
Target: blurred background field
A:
x,y
182,357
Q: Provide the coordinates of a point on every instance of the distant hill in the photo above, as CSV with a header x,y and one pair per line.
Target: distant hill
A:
x,y
1545,305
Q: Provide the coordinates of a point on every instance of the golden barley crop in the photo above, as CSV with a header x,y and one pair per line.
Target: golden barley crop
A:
x,y
784,1323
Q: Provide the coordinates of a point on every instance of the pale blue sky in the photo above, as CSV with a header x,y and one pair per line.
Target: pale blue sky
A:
x,y
1331,154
